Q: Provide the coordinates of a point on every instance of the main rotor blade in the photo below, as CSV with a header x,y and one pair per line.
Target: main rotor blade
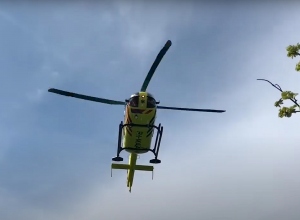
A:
x,y
90,98
155,64
191,109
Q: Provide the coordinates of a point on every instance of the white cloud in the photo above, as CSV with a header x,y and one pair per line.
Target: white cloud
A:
x,y
147,27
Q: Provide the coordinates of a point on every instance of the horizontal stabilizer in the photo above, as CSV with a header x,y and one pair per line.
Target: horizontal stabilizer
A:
x,y
136,167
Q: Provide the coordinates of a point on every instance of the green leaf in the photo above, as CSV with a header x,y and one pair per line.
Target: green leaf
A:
x,y
298,67
292,109
281,113
278,103
284,95
293,50
287,111
288,95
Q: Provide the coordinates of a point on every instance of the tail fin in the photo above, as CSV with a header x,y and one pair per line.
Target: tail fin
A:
x,y
130,171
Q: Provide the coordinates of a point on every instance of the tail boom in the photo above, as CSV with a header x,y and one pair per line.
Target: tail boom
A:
x,y
131,167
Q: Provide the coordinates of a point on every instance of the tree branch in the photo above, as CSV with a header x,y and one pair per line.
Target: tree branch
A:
x,y
276,85
294,100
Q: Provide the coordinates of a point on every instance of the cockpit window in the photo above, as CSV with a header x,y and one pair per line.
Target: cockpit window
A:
x,y
134,101
151,103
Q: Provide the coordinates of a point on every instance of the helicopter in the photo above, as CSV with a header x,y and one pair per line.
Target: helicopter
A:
x,y
137,130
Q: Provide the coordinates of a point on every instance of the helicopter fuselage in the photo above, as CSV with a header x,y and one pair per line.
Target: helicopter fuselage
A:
x,y
140,110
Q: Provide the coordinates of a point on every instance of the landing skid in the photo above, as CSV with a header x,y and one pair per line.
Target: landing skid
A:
x,y
155,150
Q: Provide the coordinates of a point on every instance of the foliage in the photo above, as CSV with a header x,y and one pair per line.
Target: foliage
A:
x,y
292,51
285,95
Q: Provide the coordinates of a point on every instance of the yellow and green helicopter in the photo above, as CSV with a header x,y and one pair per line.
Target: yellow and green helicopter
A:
x,y
135,134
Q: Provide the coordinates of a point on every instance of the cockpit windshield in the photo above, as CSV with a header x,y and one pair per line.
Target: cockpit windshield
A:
x,y
134,101
151,103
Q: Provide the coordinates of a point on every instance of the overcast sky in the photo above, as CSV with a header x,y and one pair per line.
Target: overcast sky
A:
x,y
56,151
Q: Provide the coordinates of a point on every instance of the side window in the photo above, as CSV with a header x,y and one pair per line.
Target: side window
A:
x,y
134,101
151,103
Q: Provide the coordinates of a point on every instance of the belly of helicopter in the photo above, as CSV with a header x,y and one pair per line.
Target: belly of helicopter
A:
x,y
138,139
